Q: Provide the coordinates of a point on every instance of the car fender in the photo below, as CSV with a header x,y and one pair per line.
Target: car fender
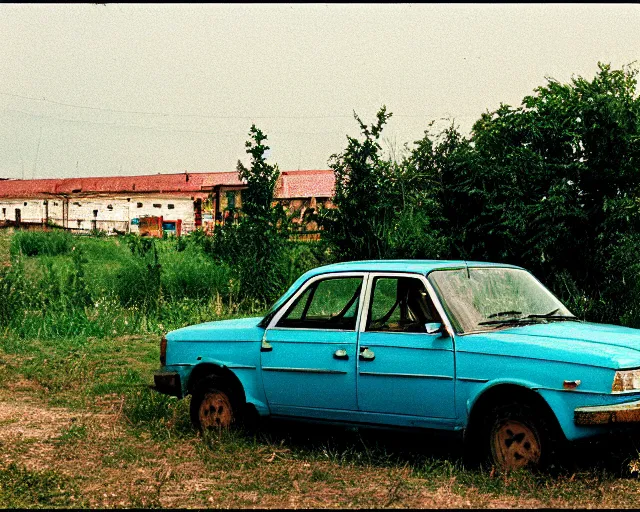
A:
x,y
249,376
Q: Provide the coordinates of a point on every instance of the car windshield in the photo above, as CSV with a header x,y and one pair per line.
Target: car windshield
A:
x,y
480,299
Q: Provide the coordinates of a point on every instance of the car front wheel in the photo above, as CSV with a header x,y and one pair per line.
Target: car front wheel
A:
x,y
212,407
521,436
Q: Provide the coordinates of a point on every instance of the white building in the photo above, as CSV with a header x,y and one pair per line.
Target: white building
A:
x,y
116,204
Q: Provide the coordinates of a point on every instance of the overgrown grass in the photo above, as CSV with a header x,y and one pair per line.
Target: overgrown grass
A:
x,y
112,287
279,460
98,358
22,488
38,243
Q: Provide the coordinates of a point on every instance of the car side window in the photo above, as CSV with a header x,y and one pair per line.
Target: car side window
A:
x,y
400,304
326,304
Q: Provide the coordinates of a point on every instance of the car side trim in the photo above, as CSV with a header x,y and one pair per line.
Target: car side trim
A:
x,y
301,370
471,379
410,375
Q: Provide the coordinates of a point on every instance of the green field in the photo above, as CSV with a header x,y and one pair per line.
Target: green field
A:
x,y
80,428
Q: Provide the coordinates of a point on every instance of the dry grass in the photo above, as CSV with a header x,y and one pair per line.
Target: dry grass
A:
x,y
117,447
114,467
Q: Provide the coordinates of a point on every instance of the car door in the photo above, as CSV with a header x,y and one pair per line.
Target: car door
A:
x,y
403,370
309,355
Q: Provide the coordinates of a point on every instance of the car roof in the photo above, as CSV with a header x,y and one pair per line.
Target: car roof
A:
x,y
413,266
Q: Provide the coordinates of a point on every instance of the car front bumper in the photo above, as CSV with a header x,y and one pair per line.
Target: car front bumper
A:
x,y
168,383
628,412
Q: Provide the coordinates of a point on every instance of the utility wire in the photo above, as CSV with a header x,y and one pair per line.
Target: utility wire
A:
x,y
155,128
200,116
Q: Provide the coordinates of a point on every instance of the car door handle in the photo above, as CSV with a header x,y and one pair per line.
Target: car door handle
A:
x,y
340,354
366,354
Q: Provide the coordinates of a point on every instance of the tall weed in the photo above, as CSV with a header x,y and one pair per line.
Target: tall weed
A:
x,y
190,274
37,243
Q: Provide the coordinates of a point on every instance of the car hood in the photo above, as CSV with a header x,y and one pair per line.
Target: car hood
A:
x,y
605,345
239,329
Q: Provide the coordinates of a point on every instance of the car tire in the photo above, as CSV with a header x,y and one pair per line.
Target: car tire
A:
x,y
518,435
214,406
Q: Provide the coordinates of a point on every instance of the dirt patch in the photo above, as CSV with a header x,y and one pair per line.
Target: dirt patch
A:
x,y
115,467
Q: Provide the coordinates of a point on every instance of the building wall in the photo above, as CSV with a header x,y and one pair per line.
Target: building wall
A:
x,y
31,210
122,213
182,209
105,213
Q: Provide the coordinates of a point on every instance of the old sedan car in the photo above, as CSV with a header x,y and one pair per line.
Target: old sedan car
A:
x,y
480,348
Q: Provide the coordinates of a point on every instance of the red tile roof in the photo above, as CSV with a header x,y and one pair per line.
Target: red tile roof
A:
x,y
305,184
291,184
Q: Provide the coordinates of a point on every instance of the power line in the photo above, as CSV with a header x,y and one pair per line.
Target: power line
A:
x,y
165,114
199,116
155,128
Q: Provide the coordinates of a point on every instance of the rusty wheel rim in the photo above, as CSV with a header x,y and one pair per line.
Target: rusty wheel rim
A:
x,y
215,411
515,445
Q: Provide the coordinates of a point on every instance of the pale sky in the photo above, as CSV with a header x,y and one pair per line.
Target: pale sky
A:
x,y
145,89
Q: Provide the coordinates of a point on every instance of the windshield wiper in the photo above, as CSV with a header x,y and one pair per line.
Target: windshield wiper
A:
x,y
555,317
519,320
529,319
503,313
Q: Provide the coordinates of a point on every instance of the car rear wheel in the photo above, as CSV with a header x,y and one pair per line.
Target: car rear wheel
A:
x,y
213,406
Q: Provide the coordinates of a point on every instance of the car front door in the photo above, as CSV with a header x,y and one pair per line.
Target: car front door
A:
x,y
309,354
403,370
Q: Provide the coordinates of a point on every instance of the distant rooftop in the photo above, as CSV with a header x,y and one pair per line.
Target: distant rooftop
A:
x,y
291,184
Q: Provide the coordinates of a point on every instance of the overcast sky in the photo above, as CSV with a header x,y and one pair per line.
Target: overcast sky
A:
x,y
102,90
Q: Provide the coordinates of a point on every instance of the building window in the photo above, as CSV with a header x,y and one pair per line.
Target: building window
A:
x,y
4,211
109,207
25,204
138,205
79,222
77,204
55,204
170,206
157,205
231,200
95,213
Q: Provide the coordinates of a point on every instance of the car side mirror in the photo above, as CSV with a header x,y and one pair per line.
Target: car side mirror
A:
x,y
433,327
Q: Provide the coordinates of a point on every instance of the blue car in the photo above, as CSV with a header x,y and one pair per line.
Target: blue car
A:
x,y
479,348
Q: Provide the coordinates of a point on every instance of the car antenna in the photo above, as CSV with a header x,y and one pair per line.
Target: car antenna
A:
x,y
467,267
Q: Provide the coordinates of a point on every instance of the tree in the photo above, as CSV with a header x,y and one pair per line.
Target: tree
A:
x,y
359,225
385,208
261,179
554,185
256,247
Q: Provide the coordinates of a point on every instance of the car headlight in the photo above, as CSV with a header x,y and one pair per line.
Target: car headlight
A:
x,y
626,380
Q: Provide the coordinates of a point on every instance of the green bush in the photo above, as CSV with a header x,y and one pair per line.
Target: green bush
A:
x,y
14,294
191,274
138,284
36,243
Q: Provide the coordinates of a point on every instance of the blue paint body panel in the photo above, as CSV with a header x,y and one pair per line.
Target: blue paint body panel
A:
x,y
415,379
301,371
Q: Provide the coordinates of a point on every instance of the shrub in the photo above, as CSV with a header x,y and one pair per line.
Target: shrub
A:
x,y
191,274
35,243
137,284
13,292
